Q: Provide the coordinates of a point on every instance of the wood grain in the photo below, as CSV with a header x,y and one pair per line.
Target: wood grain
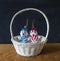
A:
x,y
50,52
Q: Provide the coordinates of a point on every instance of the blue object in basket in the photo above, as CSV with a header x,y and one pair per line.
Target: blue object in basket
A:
x,y
23,37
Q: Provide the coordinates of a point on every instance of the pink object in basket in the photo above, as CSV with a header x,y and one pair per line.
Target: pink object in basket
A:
x,y
34,35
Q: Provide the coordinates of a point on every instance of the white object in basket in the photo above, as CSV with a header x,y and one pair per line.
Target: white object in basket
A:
x,y
28,49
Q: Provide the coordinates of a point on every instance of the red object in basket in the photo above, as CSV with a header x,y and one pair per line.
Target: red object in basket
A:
x,y
34,35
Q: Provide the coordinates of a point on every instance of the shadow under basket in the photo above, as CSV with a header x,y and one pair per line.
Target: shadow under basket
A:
x,y
28,49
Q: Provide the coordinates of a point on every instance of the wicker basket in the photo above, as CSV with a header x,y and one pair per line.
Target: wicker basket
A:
x,y
28,49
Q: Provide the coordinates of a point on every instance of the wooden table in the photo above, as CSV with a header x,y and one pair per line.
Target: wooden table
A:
x,y
50,52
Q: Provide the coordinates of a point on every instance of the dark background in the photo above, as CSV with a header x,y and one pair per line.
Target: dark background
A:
x,y
50,7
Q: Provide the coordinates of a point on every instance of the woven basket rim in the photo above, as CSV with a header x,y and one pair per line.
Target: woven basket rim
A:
x,y
15,39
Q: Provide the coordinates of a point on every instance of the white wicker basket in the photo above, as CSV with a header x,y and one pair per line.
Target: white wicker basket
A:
x,y
28,49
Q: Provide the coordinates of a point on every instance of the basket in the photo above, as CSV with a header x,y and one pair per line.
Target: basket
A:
x,y
28,49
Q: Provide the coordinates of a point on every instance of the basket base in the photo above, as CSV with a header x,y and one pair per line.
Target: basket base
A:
x,y
28,49
28,55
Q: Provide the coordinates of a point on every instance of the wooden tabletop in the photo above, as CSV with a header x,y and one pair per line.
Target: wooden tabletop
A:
x,y
50,52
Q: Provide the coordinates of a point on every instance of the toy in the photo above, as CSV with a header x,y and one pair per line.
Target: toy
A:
x,y
23,34
34,34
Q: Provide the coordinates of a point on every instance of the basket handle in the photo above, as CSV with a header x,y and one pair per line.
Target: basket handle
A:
x,y
27,9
